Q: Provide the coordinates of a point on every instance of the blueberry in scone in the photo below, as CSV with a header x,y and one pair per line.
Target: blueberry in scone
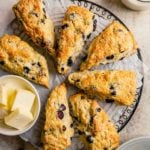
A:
x,y
117,85
115,43
93,124
58,124
36,23
18,57
76,27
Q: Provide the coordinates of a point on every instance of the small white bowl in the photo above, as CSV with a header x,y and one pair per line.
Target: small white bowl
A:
x,y
19,82
137,4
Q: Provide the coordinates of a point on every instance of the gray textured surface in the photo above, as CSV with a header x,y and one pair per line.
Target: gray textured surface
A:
x,y
139,23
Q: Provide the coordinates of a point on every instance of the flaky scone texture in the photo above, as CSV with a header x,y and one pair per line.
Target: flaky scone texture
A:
x,y
20,58
76,27
117,85
115,43
36,23
57,129
93,124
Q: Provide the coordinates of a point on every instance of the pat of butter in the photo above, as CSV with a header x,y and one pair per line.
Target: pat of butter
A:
x,y
18,119
3,94
24,100
3,111
7,94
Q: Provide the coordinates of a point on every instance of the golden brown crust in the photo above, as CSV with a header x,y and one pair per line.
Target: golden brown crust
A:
x,y
76,26
118,85
37,24
113,44
18,57
57,128
93,124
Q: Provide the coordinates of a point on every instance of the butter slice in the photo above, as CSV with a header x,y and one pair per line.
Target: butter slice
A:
x,y
18,119
3,94
24,100
7,94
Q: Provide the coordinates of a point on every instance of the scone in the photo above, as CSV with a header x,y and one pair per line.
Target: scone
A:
x,y
117,85
37,24
18,57
58,124
93,124
77,26
115,43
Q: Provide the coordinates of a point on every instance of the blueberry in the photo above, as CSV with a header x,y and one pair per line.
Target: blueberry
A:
x,y
85,57
60,114
33,78
98,109
110,57
2,62
89,139
26,69
62,69
89,36
80,132
62,107
113,93
44,10
43,21
39,64
70,62
64,26
109,100
64,128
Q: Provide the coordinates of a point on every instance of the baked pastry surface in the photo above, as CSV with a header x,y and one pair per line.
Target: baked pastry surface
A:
x,y
76,28
93,124
58,125
118,85
37,24
18,57
113,44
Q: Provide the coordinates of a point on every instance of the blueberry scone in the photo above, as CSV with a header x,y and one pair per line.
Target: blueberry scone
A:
x,y
18,57
93,124
58,124
77,26
115,43
37,24
118,85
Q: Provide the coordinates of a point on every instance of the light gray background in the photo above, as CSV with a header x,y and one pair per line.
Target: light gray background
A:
x,y
139,23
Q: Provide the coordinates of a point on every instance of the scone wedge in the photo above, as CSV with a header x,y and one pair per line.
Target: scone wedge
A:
x,y
36,23
58,124
76,27
20,58
117,85
93,124
115,43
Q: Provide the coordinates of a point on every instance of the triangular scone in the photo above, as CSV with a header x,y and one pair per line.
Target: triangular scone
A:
x,y
37,24
113,44
76,27
58,124
19,57
119,86
93,124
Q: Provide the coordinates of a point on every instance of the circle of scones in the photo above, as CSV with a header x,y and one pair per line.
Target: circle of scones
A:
x,y
77,26
117,85
115,43
93,124
36,23
58,124
19,57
